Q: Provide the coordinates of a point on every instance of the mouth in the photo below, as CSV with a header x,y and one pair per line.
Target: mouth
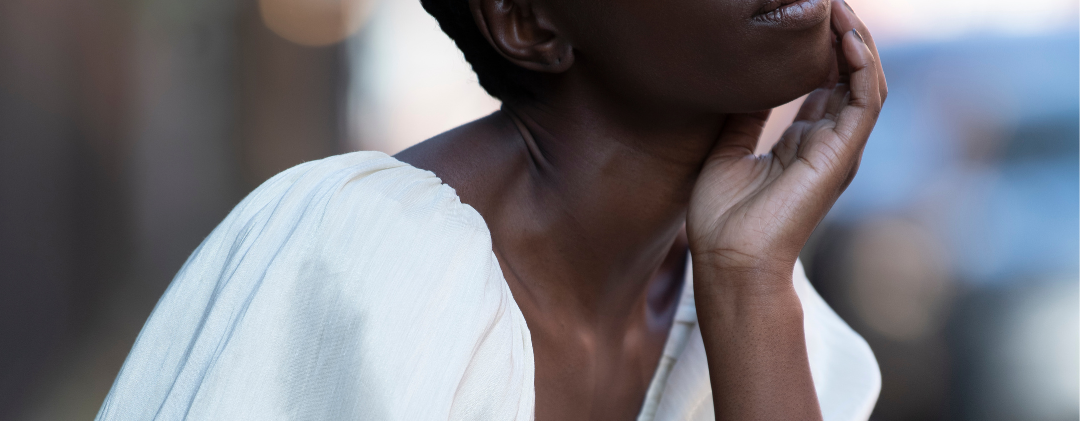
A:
x,y
793,14
772,5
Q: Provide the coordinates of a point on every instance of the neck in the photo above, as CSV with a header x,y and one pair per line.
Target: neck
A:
x,y
604,199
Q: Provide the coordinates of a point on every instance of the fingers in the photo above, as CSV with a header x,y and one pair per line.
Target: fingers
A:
x,y
787,149
823,103
740,133
838,98
844,20
856,119
829,154
813,109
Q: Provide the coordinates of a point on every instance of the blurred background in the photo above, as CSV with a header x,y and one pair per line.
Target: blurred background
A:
x,y
129,128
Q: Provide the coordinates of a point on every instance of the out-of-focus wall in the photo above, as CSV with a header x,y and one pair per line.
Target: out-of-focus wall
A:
x,y
409,82
955,250
127,131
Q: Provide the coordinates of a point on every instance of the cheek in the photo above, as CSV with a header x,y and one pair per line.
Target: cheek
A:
x,y
654,53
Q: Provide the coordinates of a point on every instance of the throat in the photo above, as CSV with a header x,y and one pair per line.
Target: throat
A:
x,y
587,218
601,367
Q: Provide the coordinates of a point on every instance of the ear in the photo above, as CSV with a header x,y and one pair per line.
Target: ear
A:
x,y
524,34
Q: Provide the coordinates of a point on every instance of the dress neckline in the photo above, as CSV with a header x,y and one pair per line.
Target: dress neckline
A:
x,y
678,336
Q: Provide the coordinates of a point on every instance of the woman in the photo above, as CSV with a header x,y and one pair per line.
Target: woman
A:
x,y
544,272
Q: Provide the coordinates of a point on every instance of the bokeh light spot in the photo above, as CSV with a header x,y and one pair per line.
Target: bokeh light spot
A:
x,y
315,22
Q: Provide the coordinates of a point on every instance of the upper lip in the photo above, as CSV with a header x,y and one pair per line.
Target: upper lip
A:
x,y
773,5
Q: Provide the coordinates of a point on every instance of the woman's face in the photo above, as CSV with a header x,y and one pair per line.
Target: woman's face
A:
x,y
706,55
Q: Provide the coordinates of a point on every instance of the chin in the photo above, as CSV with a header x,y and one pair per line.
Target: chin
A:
x,y
784,89
764,71
819,72
811,68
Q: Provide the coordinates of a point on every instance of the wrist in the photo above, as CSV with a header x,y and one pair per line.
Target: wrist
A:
x,y
745,254
747,297
742,277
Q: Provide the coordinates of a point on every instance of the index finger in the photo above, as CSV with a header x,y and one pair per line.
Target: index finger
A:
x,y
857,118
844,20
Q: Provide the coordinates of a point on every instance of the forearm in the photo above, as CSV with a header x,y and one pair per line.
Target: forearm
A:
x,y
752,326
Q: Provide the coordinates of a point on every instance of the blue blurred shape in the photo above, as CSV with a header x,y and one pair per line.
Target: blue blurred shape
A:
x,y
979,140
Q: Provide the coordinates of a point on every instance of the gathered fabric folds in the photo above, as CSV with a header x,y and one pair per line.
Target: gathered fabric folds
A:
x,y
354,287
358,287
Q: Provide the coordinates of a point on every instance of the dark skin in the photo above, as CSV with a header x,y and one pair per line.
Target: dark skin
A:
x,y
638,148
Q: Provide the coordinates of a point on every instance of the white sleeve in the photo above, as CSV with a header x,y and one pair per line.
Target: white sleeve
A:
x,y
355,287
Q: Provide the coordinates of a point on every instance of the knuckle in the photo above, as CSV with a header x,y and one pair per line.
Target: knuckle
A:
x,y
874,111
871,59
860,102
853,171
847,180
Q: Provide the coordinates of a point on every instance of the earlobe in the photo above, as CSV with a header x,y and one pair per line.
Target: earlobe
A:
x,y
522,32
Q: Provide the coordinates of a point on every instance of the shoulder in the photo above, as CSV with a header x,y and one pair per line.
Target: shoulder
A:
x,y
352,287
354,183
366,203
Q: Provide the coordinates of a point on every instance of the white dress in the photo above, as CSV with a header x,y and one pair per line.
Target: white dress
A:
x,y
358,287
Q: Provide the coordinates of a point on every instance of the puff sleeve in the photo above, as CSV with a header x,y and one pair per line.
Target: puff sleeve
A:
x,y
354,287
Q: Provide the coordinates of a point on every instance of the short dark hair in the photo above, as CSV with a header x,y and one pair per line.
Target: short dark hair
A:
x,y
497,75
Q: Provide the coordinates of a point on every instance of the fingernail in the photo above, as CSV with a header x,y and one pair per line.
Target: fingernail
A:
x,y
848,6
858,35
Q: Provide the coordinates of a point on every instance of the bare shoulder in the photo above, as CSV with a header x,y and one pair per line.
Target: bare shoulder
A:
x,y
476,158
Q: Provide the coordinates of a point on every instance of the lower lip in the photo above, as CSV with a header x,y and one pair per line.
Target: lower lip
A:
x,y
802,14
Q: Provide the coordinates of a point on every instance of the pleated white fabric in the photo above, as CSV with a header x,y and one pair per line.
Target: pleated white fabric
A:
x,y
358,287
